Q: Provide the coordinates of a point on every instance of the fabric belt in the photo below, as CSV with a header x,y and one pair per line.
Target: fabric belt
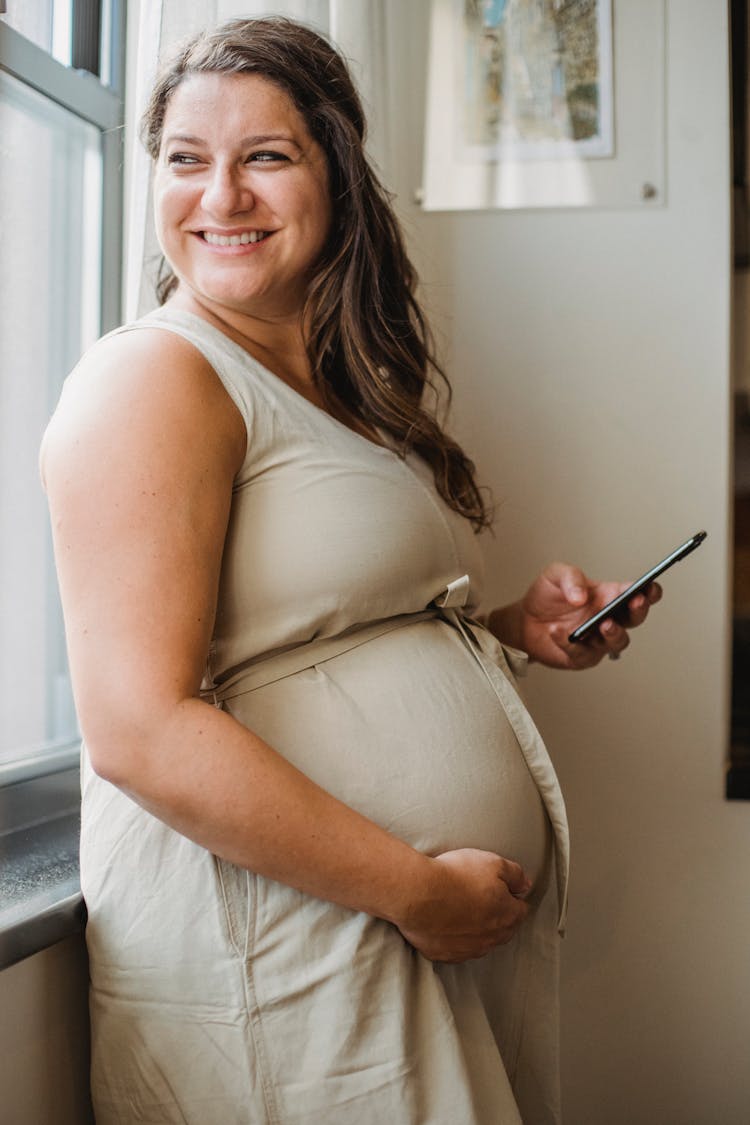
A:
x,y
290,661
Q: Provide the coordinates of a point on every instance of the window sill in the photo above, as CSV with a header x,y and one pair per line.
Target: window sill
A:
x,y
40,895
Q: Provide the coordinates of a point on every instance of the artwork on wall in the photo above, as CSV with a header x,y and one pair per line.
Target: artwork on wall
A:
x,y
544,103
534,79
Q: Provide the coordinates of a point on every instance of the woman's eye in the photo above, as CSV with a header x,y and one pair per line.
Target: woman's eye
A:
x,y
267,157
183,159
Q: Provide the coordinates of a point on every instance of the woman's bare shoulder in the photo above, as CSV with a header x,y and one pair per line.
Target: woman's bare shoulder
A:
x,y
138,358
140,385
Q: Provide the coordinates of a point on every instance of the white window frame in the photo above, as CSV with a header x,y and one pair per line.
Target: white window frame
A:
x,y
85,95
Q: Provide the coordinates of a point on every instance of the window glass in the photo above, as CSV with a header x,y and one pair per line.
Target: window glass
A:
x,y
47,23
50,226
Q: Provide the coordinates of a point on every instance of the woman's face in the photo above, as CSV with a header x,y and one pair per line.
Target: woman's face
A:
x,y
241,195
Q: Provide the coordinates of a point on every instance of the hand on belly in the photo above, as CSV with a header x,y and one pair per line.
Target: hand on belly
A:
x,y
475,903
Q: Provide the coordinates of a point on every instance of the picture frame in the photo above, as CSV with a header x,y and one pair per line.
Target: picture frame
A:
x,y
544,103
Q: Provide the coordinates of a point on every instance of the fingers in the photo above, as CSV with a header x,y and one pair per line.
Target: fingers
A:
x,y
476,904
575,588
561,600
610,639
616,639
514,877
639,605
571,580
578,655
615,636
511,916
454,948
514,914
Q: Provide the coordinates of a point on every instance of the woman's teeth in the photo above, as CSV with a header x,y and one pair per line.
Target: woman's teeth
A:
x,y
234,239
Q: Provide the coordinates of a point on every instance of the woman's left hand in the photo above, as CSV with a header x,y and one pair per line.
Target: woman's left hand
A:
x,y
560,599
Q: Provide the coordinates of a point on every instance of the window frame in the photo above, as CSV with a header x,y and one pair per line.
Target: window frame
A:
x,y
102,106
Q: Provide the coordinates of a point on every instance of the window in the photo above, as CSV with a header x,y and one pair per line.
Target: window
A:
x,y
61,134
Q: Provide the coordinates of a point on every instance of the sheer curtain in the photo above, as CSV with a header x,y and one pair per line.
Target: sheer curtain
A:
x,y
356,26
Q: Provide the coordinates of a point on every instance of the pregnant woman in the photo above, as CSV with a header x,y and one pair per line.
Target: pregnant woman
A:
x,y
324,852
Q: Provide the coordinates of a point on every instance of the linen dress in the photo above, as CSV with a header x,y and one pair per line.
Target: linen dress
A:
x,y
342,637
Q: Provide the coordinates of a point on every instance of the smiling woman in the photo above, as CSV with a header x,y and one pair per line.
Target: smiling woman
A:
x,y
243,217
324,852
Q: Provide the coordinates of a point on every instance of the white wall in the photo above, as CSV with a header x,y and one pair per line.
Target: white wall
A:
x,y
590,358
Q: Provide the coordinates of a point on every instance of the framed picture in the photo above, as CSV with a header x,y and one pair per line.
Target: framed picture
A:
x,y
534,80
544,103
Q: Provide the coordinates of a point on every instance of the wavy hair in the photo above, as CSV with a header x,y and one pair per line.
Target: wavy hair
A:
x,y
368,343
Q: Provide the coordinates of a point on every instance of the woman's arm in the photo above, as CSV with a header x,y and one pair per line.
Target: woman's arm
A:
x,y
138,463
559,600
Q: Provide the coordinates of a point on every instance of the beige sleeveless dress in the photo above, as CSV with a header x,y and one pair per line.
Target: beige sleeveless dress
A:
x,y
343,638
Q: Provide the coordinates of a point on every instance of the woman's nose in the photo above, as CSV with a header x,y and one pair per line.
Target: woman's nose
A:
x,y
226,193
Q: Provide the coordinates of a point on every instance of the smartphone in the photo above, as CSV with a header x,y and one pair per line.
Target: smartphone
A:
x,y
617,608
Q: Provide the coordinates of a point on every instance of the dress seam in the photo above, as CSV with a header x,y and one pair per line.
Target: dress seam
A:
x,y
440,513
253,1008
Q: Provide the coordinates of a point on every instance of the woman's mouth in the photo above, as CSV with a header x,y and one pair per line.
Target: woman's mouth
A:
x,y
243,239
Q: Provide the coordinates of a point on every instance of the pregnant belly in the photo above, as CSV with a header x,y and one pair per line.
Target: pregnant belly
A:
x,y
407,730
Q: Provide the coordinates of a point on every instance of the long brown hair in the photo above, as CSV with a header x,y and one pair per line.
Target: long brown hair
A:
x,y
369,345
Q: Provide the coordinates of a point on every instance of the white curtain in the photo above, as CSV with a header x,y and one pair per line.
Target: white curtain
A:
x,y
356,26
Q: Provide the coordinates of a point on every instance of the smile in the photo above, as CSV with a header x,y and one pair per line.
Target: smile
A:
x,y
234,239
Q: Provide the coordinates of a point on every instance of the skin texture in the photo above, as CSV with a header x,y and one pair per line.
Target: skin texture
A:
x,y
139,472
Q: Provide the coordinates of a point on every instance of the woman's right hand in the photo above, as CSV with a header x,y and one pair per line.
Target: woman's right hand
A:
x,y
474,902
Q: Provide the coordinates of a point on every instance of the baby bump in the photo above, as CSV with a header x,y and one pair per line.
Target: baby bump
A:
x,y
407,730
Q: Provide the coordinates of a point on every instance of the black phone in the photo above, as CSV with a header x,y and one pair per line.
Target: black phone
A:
x,y
617,608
